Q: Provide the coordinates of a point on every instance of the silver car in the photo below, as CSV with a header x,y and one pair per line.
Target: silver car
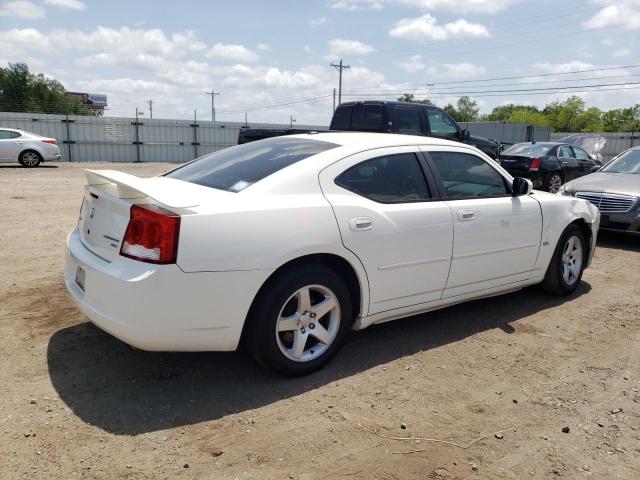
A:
x,y
29,149
615,190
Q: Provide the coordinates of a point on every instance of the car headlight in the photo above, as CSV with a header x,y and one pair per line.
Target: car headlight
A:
x,y
564,191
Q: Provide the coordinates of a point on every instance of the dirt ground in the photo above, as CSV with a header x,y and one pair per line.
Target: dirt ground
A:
x,y
77,403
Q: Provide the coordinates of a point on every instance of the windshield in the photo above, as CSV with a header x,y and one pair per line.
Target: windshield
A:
x,y
536,150
234,169
628,162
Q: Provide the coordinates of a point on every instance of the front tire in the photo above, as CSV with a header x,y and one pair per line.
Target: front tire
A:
x,y
300,320
30,159
567,264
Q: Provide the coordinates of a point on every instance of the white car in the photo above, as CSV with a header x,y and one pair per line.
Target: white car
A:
x,y
29,149
289,242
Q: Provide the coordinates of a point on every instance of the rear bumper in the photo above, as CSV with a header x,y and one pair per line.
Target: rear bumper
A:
x,y
160,307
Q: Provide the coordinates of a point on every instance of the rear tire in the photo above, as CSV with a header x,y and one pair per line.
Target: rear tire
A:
x,y
553,182
567,264
30,159
300,320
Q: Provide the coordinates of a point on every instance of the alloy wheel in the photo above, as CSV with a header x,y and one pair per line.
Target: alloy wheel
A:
x,y
572,260
554,184
308,323
30,159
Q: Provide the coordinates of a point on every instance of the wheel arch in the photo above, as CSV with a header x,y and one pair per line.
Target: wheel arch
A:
x,y
588,236
31,149
356,283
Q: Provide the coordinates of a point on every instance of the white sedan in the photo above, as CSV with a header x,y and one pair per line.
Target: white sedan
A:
x,y
288,243
28,149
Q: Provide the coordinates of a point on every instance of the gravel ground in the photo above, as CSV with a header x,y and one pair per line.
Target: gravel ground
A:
x,y
558,378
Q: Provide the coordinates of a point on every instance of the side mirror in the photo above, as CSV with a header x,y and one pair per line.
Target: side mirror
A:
x,y
595,168
464,134
521,186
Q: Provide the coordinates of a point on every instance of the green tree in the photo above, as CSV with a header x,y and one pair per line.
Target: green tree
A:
x,y
528,117
467,109
23,91
504,112
410,98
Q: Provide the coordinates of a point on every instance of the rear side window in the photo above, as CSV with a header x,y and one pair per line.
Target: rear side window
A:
x,y
388,179
408,120
564,152
367,118
341,119
467,176
236,168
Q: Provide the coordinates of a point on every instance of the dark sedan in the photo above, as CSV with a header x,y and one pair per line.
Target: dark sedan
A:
x,y
547,164
615,190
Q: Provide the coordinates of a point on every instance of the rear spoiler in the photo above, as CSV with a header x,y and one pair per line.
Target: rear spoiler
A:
x,y
167,191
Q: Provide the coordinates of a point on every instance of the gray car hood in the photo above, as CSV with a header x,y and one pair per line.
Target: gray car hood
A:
x,y
624,183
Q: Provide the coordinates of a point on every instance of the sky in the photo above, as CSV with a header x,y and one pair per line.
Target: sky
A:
x,y
271,59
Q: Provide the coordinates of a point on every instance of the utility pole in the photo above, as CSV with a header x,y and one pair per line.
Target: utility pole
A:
x,y
340,67
213,94
334,99
291,120
150,102
245,120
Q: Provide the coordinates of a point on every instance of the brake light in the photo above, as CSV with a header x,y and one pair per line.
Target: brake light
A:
x,y
52,141
151,235
535,164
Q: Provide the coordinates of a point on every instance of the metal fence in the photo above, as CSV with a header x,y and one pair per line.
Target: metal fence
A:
x,y
88,138
616,142
505,132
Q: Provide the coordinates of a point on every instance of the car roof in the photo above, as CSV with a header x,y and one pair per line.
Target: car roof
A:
x,y
377,140
541,143
385,102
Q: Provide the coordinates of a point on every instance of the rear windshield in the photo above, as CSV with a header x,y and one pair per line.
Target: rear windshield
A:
x,y
527,149
234,169
628,162
363,118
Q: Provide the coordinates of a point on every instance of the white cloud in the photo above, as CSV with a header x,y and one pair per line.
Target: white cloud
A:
x,y
413,64
316,22
125,85
70,4
616,13
351,5
21,40
21,9
455,6
263,47
416,63
341,46
426,28
233,52
621,53
572,66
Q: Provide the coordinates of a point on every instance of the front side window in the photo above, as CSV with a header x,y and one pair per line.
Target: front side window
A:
x,y
408,120
236,168
581,154
388,179
467,176
441,124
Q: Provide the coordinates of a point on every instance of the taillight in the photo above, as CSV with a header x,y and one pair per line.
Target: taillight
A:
x,y
535,164
151,235
52,141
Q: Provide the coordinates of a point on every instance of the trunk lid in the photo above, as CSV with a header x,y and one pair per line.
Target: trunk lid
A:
x,y
108,197
515,162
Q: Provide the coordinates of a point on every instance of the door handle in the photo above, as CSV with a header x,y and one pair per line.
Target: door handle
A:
x,y
466,215
360,223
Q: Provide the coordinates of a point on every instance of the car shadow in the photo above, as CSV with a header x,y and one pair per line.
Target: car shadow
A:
x,y
617,240
126,391
20,166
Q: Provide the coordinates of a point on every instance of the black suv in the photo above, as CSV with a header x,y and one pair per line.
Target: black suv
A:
x,y
406,118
